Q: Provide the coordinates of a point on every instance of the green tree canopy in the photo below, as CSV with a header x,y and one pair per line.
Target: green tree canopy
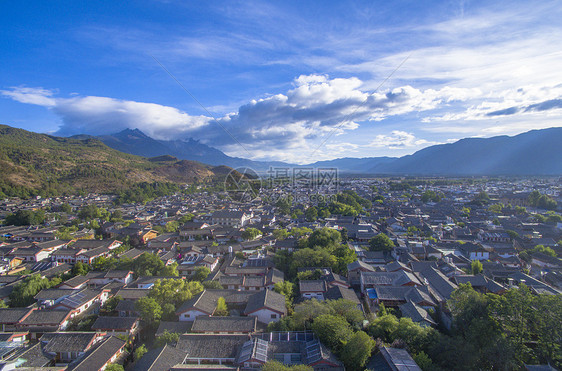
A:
x,y
251,233
166,338
149,310
357,351
324,237
333,331
201,273
26,217
222,309
381,242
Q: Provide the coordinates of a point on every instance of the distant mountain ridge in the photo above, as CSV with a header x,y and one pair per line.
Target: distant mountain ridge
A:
x,y
136,142
537,152
32,163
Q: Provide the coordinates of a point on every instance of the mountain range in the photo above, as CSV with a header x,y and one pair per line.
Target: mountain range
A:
x,y
537,152
32,163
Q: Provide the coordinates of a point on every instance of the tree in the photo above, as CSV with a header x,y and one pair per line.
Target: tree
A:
x,y
174,291
166,338
542,201
311,214
171,226
348,310
307,311
324,237
80,269
139,352
169,270
285,288
311,258
65,208
222,309
357,351
512,234
430,195
201,273
169,312
383,327
496,208
89,212
344,235
111,303
481,198
147,265
278,366
476,267
280,234
423,360
251,233
23,293
26,217
381,242
116,216
333,331
114,367
149,310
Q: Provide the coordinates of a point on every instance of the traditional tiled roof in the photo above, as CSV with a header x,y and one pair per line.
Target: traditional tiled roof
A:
x,y
416,313
45,318
211,346
160,359
114,323
224,324
58,342
338,292
132,294
312,286
34,356
13,315
266,299
181,327
100,355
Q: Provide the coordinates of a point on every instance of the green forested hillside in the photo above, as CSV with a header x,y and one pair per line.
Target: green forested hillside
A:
x,y
38,164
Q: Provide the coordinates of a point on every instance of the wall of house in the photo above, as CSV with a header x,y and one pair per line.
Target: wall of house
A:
x,y
313,295
190,315
264,315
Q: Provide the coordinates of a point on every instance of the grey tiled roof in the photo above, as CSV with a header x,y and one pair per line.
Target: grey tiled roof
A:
x,y
58,342
132,294
211,346
160,359
181,327
312,286
45,317
100,355
338,292
12,315
34,356
224,324
114,323
416,313
268,299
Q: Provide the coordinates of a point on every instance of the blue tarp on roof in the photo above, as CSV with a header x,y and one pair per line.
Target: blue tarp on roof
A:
x,y
372,293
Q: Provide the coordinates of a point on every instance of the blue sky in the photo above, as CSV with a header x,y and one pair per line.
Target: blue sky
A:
x,y
292,80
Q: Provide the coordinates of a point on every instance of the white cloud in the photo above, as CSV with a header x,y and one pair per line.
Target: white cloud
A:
x,y
398,140
37,96
279,125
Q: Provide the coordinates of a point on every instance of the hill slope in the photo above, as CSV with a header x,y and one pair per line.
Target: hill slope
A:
x,y
48,165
